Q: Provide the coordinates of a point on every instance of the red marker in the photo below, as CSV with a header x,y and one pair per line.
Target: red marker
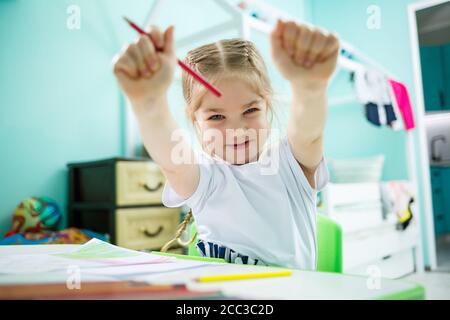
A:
x,y
184,66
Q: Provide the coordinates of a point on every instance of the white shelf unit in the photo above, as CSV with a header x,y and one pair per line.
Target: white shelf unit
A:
x,y
244,25
370,242
383,250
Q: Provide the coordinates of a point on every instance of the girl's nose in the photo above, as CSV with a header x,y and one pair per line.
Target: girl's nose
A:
x,y
235,135
239,124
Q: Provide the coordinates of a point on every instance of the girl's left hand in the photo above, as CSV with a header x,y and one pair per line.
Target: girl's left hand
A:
x,y
304,55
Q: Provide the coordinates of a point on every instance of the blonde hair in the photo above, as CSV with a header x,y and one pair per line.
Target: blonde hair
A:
x,y
230,58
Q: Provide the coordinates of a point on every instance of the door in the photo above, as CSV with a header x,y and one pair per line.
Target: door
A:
x,y
434,88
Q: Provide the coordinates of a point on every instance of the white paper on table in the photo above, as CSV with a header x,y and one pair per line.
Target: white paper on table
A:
x,y
93,254
186,275
38,263
109,254
148,269
58,276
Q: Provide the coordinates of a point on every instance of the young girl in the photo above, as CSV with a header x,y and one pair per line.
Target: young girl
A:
x,y
243,214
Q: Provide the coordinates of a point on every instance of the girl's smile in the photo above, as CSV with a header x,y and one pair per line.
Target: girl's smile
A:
x,y
239,117
240,146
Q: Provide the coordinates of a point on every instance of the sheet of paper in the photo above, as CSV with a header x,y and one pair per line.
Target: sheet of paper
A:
x,y
148,269
104,252
58,276
93,254
38,263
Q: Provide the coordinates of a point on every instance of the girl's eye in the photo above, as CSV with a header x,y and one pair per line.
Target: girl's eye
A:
x,y
216,117
252,110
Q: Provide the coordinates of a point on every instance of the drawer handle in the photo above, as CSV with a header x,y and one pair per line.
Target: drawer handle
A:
x,y
152,234
150,189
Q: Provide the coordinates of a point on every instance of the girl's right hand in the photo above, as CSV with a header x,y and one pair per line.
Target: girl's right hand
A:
x,y
145,73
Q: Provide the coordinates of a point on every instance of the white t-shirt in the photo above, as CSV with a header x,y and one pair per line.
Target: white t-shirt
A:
x,y
258,209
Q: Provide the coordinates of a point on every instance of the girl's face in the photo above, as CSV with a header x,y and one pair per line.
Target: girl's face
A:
x,y
234,126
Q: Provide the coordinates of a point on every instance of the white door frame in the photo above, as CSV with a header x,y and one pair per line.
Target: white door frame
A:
x,y
424,163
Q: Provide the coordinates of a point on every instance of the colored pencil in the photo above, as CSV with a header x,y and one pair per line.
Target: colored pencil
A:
x,y
245,276
184,66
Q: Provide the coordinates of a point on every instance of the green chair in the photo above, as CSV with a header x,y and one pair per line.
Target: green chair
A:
x,y
329,238
329,235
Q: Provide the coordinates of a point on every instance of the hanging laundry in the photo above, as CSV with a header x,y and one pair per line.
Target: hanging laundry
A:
x,y
392,114
372,114
403,103
373,90
375,82
365,95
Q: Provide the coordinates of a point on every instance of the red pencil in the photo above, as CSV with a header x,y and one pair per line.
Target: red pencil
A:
x,y
184,66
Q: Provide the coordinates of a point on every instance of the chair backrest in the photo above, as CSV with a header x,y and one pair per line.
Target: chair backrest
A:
x,y
329,236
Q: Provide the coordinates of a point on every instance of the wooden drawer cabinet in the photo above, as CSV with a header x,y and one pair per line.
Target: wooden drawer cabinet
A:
x,y
138,183
121,198
118,182
146,228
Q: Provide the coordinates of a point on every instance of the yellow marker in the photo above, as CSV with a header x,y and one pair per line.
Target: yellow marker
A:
x,y
230,277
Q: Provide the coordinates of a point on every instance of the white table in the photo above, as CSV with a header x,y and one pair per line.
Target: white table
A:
x,y
301,285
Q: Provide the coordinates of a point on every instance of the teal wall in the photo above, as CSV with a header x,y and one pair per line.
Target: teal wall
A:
x,y
348,18
347,133
59,100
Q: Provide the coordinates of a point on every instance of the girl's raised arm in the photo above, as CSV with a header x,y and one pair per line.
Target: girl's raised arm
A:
x,y
306,56
145,74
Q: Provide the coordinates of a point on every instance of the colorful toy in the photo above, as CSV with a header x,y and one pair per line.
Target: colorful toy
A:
x,y
398,198
35,214
67,236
